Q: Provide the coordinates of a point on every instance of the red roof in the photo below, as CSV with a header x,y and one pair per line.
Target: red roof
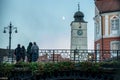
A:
x,y
57,57
108,5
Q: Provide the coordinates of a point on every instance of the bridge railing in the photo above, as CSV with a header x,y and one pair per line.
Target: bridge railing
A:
x,y
77,55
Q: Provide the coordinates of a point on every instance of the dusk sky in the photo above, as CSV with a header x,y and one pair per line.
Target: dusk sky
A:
x,y
46,22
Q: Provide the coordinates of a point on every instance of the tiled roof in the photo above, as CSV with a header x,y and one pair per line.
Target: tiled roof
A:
x,y
108,5
57,57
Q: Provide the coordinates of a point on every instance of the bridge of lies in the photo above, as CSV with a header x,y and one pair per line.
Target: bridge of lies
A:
x,y
77,55
58,55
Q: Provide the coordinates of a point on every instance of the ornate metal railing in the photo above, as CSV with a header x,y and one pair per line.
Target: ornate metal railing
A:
x,y
77,55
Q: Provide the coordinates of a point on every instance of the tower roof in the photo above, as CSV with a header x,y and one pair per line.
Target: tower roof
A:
x,y
107,5
79,16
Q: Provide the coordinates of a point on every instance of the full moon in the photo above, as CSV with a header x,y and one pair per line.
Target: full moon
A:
x,y
63,18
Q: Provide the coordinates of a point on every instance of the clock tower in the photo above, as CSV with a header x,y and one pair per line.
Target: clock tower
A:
x,y
78,31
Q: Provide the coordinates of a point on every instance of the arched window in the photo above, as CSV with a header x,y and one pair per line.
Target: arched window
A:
x,y
114,25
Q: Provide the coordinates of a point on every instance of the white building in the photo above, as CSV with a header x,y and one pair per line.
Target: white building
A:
x,y
107,27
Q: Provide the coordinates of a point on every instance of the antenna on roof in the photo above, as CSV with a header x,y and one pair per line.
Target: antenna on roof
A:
x,y
78,6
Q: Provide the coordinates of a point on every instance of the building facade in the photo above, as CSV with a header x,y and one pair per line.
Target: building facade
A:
x,y
107,26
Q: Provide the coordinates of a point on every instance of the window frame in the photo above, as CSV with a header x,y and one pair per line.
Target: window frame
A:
x,y
114,51
97,24
114,25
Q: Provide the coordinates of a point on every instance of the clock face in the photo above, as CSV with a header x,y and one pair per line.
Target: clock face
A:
x,y
79,32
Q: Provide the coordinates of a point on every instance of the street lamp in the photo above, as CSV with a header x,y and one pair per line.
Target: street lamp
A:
x,y
10,28
90,57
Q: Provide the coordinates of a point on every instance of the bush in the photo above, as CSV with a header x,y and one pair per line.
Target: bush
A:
x,y
50,67
6,68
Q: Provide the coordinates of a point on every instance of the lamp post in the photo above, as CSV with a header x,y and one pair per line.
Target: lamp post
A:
x,y
90,57
10,28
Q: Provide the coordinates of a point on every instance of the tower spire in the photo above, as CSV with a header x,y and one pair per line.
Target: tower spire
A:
x,y
78,6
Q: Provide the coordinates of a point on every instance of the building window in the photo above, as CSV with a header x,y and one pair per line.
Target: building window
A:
x,y
97,27
98,52
115,45
114,25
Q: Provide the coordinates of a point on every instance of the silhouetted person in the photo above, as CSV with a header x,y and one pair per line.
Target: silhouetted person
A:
x,y
23,52
35,52
18,53
29,53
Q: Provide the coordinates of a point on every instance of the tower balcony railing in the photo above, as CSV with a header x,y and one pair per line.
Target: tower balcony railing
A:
x,y
77,55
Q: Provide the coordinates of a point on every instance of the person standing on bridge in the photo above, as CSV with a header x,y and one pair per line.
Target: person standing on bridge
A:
x,y
18,53
23,53
29,53
35,52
